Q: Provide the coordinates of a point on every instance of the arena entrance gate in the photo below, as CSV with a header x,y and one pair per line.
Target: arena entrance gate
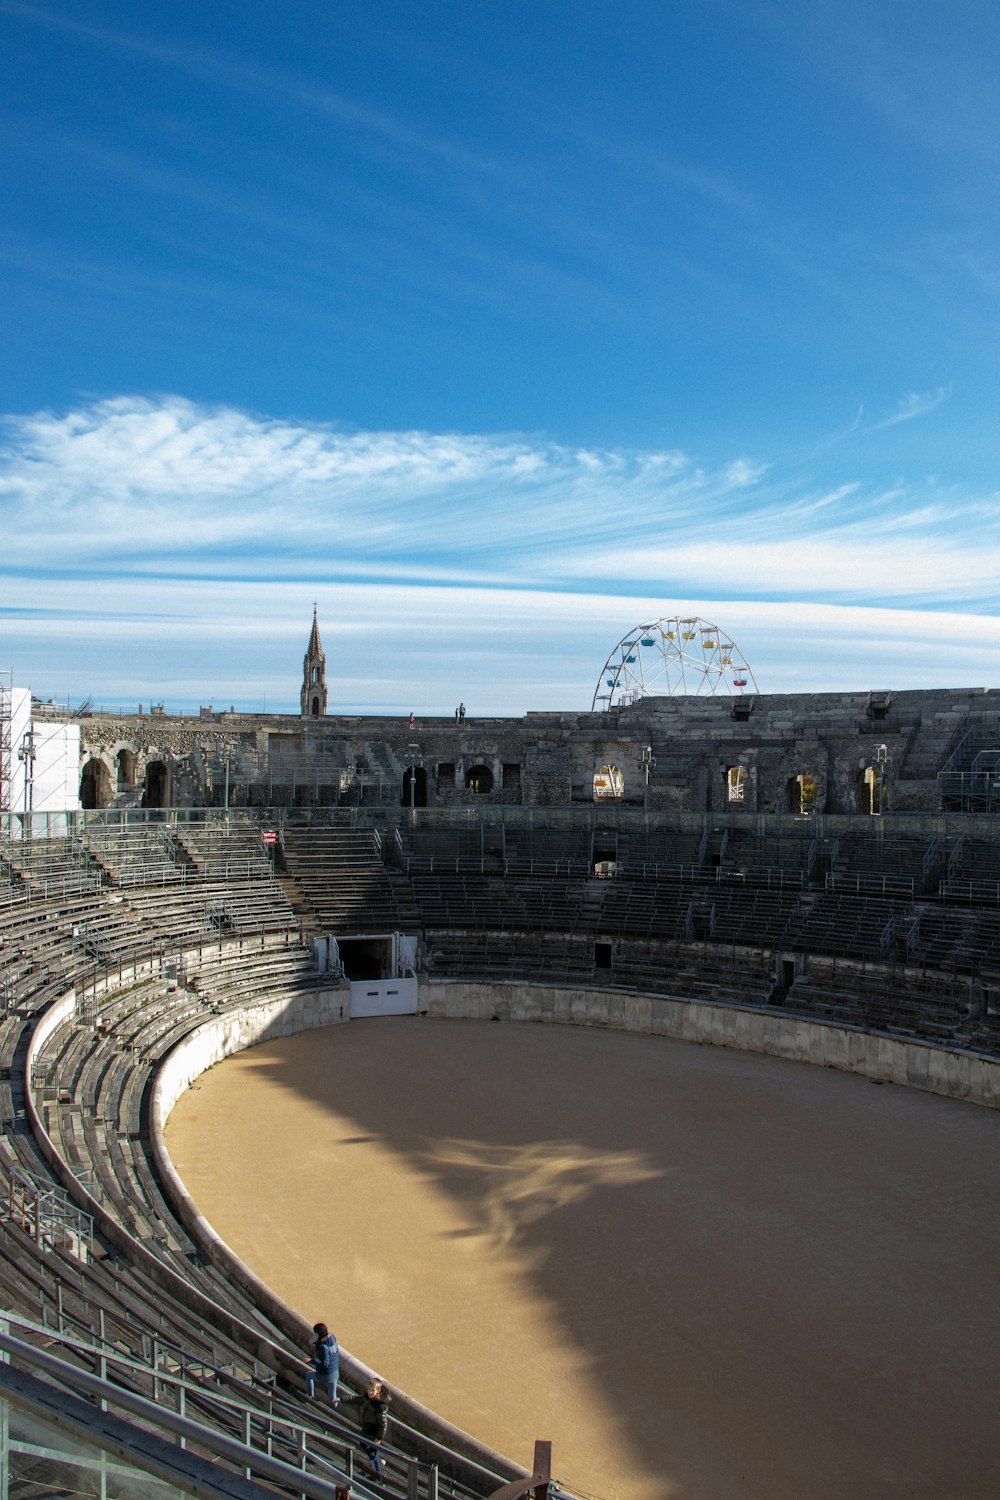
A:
x,y
381,970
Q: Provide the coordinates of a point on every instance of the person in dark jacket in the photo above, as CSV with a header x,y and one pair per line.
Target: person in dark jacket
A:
x,y
374,1419
324,1364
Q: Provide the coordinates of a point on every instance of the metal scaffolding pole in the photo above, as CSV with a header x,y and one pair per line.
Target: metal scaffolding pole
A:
x,y
6,746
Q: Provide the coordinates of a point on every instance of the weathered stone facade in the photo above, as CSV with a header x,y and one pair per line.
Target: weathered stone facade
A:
x,y
827,752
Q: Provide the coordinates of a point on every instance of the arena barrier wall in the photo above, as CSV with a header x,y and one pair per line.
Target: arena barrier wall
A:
x,y
208,1044
960,1075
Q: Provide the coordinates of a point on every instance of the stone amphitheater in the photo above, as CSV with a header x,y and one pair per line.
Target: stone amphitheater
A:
x,y
815,877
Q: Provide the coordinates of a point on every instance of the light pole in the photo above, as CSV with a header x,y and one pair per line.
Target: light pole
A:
x,y
883,760
414,753
647,764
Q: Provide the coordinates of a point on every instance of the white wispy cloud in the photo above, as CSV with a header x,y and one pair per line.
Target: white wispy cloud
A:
x,y
743,472
915,404
167,485
130,476
141,531
852,567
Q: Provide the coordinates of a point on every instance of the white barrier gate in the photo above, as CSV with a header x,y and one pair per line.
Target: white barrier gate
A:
x,y
383,997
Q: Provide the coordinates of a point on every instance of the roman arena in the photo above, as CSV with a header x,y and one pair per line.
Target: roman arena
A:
x,y
702,1273
663,1125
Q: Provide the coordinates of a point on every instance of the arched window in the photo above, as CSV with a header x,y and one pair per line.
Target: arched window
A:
x,y
479,779
126,769
95,785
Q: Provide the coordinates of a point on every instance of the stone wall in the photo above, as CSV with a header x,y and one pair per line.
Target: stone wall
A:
x,y
549,759
960,1075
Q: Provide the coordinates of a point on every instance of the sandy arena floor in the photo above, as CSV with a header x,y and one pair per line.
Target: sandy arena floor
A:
x,y
704,1275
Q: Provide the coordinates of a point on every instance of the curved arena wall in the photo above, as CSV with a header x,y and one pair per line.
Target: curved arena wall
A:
x,y
940,1070
200,1050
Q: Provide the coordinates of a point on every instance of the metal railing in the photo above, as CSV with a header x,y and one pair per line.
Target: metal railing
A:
x,y
47,1215
307,1470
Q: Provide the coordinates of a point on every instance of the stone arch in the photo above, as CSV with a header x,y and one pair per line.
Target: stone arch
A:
x,y
125,762
95,784
414,787
479,779
315,707
156,787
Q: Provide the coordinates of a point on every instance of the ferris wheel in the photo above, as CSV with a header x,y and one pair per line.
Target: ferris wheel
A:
x,y
672,657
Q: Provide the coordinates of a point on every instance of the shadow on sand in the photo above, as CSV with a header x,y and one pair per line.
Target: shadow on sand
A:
x,y
780,1278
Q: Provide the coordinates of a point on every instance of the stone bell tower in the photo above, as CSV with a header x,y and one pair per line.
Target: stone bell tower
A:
x,y
313,695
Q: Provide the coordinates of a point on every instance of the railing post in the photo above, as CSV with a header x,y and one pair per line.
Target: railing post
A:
x,y
543,1468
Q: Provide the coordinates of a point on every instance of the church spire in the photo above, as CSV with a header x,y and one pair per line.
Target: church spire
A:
x,y
313,696
315,644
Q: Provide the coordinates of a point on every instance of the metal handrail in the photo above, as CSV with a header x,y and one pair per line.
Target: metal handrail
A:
x,y
240,1456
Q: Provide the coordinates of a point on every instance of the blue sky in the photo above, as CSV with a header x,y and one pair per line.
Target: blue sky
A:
x,y
496,328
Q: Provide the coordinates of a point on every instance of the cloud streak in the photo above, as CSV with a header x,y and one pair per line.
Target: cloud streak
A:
x,y
504,558
916,404
165,484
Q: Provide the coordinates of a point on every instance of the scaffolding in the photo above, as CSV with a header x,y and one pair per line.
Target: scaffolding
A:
x,y
969,782
6,739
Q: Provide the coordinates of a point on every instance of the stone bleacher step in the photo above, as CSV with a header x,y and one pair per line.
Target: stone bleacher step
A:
x,y
297,899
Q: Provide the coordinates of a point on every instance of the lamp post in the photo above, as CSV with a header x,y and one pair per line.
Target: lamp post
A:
x,y
230,753
414,753
883,760
647,764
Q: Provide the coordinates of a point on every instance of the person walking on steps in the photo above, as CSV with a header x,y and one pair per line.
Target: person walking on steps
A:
x,y
324,1364
374,1419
